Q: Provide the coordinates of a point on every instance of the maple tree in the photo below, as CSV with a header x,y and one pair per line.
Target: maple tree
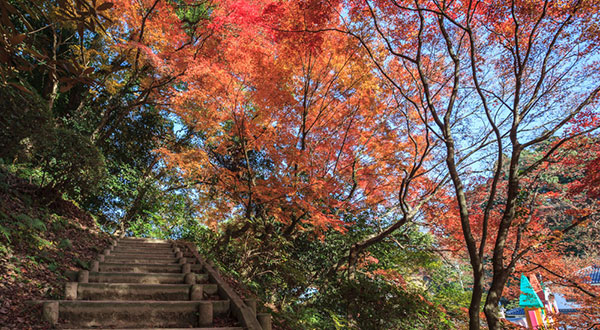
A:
x,y
491,78
297,129
554,232
562,184
473,77
291,120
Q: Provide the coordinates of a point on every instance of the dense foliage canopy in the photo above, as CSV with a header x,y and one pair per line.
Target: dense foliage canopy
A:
x,y
358,164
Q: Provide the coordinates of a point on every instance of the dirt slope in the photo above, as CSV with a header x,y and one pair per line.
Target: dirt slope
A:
x,y
41,237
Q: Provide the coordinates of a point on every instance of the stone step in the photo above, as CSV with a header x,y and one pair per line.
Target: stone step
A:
x,y
147,259
143,248
140,260
139,268
134,314
145,254
146,278
136,291
121,249
144,245
141,239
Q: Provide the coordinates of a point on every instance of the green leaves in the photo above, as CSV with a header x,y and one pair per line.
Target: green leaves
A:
x,y
4,231
65,244
307,279
28,223
73,163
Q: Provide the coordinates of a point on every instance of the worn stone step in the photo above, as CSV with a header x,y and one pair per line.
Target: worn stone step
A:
x,y
147,259
144,248
146,278
134,314
121,249
144,245
136,291
139,268
144,254
142,239
126,249
140,260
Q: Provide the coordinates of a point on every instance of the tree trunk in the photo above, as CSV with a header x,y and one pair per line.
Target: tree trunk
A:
x,y
132,211
475,260
491,308
357,248
475,305
142,189
53,93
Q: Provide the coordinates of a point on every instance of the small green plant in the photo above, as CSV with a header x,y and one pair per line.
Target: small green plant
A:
x,y
6,232
81,263
53,267
26,222
4,250
65,244
41,243
33,260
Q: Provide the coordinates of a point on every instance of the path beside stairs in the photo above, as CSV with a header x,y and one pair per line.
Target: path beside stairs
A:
x,y
149,283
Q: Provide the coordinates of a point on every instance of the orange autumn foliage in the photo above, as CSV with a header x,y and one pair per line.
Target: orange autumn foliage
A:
x,y
296,127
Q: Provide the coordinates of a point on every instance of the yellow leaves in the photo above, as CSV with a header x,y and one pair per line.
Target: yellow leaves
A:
x,y
113,86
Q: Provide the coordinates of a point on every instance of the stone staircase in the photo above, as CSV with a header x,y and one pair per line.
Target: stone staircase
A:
x,y
149,283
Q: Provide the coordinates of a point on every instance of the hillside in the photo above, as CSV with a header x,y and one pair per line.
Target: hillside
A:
x,y
41,237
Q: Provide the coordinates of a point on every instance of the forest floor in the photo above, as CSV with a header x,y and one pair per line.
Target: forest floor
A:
x,y
41,237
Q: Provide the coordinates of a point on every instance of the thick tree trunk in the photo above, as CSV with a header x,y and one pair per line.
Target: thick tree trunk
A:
x,y
475,305
491,308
